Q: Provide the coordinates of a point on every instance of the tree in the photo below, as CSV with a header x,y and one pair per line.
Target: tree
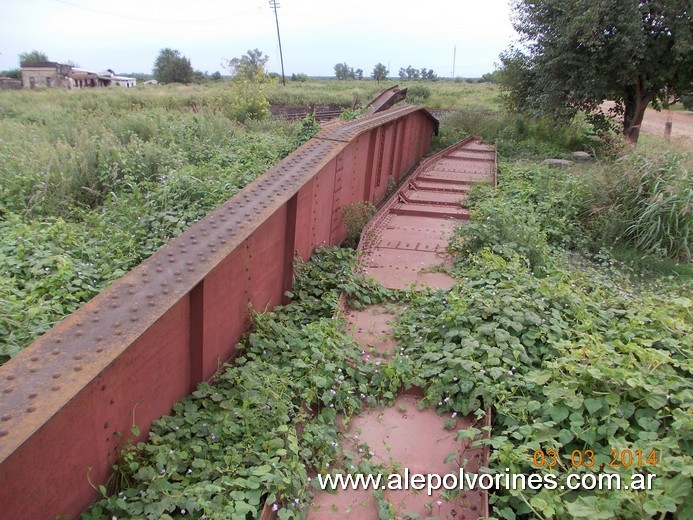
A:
x,y
358,73
379,73
12,73
343,71
250,66
428,74
32,57
491,77
409,73
172,67
576,55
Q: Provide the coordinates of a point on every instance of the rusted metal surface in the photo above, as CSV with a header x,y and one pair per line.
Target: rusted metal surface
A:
x,y
402,243
407,239
67,401
295,112
386,99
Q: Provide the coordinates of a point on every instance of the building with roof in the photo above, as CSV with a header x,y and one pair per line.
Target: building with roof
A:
x,y
47,74
50,74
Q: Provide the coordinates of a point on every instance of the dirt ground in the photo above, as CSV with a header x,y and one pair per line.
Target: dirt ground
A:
x,y
682,127
681,130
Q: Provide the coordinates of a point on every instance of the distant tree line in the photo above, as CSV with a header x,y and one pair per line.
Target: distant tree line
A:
x,y
412,73
343,71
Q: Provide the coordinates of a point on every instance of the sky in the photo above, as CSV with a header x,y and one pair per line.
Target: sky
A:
x,y
127,35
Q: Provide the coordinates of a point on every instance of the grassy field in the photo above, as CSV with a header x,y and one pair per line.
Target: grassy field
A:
x,y
94,181
434,94
571,315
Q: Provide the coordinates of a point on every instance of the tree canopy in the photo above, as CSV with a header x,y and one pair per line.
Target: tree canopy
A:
x,y
250,66
344,71
172,67
31,57
380,72
576,55
414,73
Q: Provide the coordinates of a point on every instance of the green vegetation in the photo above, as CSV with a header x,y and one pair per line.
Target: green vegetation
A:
x,y
413,73
250,66
32,56
577,56
571,349
93,182
585,365
379,73
355,217
443,94
172,67
256,432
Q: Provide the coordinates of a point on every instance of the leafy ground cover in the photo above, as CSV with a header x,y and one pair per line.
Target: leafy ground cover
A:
x,y
573,350
265,424
583,360
92,183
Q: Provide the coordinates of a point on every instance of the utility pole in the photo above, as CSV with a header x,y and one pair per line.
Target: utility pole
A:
x,y
454,57
273,5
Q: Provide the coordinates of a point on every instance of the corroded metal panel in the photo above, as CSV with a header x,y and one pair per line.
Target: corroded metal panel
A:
x,y
322,204
401,247
51,471
164,326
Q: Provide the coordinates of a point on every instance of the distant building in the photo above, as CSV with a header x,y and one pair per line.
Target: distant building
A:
x,y
50,74
47,74
10,83
117,81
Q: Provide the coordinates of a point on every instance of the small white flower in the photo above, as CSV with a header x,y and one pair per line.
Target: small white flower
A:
x,y
439,502
275,507
454,414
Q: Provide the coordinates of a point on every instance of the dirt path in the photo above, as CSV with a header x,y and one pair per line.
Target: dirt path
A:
x,y
654,121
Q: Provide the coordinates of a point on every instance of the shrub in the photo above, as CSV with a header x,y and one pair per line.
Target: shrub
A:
x,y
418,93
356,216
646,202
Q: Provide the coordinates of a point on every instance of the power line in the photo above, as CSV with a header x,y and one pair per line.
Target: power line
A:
x,y
273,5
155,20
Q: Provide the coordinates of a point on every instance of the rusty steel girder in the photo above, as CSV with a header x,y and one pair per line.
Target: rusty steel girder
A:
x,y
68,401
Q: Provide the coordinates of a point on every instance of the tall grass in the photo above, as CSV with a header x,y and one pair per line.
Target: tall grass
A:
x,y
646,201
515,136
93,182
441,94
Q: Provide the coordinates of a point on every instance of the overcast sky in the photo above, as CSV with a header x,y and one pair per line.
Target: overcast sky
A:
x,y
126,35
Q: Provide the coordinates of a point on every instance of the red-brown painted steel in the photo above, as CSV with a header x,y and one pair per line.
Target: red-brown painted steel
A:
x,y
68,401
386,99
407,238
